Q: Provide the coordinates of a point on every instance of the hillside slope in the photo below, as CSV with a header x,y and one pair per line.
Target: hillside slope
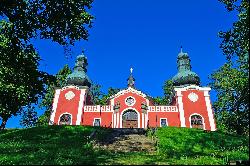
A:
x,y
71,145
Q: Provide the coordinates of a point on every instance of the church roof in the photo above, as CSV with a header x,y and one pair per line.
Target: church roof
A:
x,y
79,76
185,76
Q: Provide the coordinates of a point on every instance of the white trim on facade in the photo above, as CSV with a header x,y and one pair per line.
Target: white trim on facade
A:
x,y
112,102
117,120
146,123
54,107
132,103
181,110
129,89
190,87
70,86
142,120
63,114
95,119
166,121
204,128
162,108
130,108
80,106
209,111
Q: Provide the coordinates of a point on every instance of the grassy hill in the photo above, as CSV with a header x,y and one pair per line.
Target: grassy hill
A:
x,y
71,145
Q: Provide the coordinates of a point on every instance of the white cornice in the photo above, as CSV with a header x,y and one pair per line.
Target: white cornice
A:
x,y
190,87
129,89
74,87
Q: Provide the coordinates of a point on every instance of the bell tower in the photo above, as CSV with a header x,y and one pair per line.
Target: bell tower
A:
x,y
193,101
69,101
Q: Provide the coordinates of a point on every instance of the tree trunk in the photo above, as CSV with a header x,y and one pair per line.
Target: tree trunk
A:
x,y
4,121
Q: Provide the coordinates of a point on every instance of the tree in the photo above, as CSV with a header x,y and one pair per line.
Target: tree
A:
x,y
29,117
62,21
168,89
20,81
47,101
231,81
104,98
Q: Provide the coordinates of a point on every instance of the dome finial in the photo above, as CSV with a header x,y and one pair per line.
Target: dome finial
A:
x,y
131,70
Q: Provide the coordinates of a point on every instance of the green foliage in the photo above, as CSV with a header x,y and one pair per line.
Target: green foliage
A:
x,y
51,145
21,83
104,98
231,81
29,117
58,82
71,145
63,21
168,89
96,93
194,146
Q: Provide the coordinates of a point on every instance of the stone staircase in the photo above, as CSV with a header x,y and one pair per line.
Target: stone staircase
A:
x,y
127,140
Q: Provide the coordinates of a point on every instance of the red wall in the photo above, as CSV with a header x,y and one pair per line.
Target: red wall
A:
x,y
198,107
70,106
88,118
172,118
123,106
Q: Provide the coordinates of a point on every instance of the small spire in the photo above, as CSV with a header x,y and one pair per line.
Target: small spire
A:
x,y
131,80
181,49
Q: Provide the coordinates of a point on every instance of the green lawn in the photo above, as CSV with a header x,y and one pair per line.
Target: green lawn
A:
x,y
59,145
194,146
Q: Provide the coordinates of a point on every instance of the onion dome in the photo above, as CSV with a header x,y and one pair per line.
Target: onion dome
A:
x,y
79,76
185,76
131,79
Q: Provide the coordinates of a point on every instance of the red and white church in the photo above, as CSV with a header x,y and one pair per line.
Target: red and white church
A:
x,y
131,108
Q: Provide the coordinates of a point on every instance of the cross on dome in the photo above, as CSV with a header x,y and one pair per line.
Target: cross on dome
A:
x,y
131,70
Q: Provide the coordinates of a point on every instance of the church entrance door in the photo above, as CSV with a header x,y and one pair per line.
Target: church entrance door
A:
x,y
130,119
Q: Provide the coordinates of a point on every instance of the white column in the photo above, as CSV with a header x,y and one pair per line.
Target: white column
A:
x,y
80,106
113,115
209,110
117,117
146,119
181,110
56,98
142,115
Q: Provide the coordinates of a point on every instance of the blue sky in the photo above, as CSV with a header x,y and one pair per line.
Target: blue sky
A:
x,y
146,35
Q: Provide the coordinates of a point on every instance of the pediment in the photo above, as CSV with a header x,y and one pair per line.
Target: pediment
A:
x,y
129,89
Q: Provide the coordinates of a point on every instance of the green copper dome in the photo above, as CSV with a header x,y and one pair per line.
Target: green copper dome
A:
x,y
185,76
79,76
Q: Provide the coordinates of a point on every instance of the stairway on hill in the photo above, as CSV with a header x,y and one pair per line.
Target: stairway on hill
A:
x,y
127,140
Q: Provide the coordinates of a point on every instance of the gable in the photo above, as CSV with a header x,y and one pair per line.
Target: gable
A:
x,y
128,90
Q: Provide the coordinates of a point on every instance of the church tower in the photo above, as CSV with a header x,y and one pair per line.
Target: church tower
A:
x,y
69,101
193,101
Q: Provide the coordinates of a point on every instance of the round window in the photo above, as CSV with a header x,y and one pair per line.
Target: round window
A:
x,y
130,101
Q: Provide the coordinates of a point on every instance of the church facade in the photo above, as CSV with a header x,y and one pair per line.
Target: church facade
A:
x,y
130,108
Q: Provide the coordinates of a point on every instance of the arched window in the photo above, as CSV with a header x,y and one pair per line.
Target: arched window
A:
x,y
196,121
163,122
65,119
